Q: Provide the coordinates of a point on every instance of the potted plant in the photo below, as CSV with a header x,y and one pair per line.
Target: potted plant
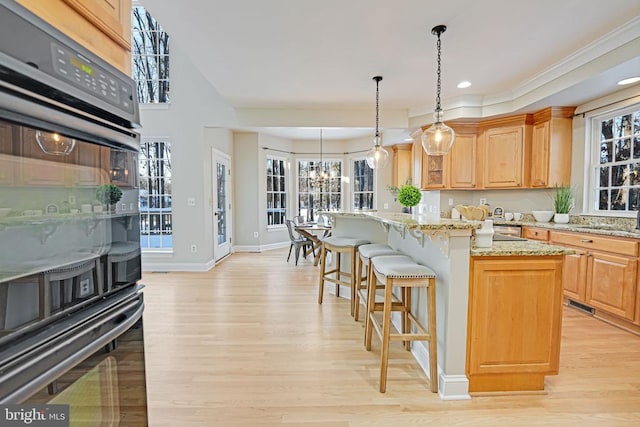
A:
x,y
562,203
109,194
409,196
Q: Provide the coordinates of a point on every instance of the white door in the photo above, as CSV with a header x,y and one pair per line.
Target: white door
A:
x,y
221,205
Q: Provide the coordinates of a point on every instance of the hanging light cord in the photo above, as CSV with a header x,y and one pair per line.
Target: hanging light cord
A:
x,y
438,85
377,105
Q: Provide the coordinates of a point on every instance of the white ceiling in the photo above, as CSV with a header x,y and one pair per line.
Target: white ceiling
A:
x,y
302,54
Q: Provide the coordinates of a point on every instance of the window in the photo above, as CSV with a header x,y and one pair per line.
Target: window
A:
x,y
156,231
319,187
616,161
362,185
149,57
276,191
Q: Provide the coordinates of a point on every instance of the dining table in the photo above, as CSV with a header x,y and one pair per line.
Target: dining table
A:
x,y
314,232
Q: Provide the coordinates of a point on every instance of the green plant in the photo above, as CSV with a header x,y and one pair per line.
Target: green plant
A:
x,y
409,195
108,194
563,199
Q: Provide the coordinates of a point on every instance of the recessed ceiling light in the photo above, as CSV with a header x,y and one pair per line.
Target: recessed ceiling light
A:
x,y
629,81
464,84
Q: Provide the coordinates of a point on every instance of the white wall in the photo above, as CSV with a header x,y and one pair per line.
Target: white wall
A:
x,y
195,105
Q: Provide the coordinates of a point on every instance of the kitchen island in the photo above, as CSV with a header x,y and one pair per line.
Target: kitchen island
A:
x,y
499,309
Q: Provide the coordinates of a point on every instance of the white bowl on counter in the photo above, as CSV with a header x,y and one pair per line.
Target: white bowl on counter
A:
x,y
542,216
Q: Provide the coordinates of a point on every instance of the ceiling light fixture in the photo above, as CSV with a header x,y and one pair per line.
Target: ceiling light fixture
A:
x,y
629,81
318,175
438,139
464,84
377,157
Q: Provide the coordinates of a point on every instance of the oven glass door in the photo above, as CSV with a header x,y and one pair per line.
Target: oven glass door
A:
x,y
69,223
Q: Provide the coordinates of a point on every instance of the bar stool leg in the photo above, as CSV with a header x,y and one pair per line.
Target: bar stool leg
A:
x,y
356,313
371,300
433,339
323,256
338,256
353,279
386,331
406,326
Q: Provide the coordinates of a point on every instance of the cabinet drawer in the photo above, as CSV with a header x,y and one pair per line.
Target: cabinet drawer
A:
x,y
590,241
535,233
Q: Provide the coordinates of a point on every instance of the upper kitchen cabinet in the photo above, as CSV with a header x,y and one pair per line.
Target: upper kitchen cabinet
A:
x,y
457,169
504,144
550,158
402,161
102,26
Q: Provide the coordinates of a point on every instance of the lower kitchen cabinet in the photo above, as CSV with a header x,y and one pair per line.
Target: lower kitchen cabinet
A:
x,y
514,323
602,274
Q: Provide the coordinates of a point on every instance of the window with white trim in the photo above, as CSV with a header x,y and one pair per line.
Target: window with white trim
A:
x,y
616,161
363,189
276,191
156,219
319,187
149,57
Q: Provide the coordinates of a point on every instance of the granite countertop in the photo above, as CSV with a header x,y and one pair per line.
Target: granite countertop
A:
x,y
521,248
413,221
606,229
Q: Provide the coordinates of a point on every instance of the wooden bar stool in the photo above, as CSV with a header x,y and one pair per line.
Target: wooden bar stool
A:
x,y
404,273
365,253
339,246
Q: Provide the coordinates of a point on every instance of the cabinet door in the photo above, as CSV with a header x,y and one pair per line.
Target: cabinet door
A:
x,y
540,155
574,276
89,171
506,299
433,171
38,167
504,157
611,283
8,162
402,161
462,167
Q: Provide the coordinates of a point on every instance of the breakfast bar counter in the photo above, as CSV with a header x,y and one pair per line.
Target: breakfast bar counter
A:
x,y
498,309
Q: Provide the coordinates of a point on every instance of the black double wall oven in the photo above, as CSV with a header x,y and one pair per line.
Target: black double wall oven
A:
x,y
70,305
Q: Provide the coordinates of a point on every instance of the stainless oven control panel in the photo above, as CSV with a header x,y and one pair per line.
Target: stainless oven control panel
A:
x,y
85,74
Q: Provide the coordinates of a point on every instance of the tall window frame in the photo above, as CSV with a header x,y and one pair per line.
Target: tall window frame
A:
x,y
363,180
319,194
149,57
277,173
614,184
155,199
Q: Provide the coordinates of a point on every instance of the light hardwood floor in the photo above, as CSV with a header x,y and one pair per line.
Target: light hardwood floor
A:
x,y
247,344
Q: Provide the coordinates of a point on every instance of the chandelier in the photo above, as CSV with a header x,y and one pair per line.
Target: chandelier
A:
x,y
438,139
318,174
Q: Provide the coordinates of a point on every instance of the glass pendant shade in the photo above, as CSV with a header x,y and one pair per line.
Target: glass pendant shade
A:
x,y
54,143
438,139
377,157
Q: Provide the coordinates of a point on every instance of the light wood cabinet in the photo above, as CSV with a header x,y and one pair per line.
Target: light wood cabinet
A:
x,y
8,165
458,168
39,168
462,162
514,323
550,155
603,273
402,164
503,157
534,233
89,170
102,26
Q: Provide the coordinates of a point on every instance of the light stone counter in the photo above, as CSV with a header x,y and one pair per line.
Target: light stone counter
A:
x,y
521,248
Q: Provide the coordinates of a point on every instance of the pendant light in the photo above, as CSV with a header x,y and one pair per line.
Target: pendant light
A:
x,y
438,139
377,157
54,143
319,175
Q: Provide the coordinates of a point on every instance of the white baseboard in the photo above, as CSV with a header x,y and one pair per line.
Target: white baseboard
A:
x,y
158,265
260,248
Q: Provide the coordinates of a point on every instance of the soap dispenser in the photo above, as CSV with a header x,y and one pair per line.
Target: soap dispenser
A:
x,y
484,235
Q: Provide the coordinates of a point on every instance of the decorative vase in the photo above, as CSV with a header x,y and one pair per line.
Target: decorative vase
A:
x,y
561,218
